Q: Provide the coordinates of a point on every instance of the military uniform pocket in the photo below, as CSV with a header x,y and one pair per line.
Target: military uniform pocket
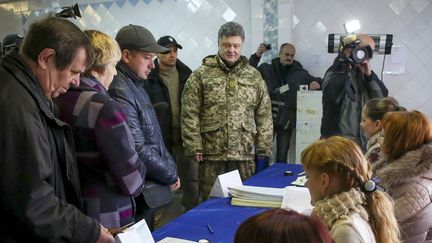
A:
x,y
213,138
214,90
248,137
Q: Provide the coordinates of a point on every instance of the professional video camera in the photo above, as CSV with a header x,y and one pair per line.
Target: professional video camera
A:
x,y
339,42
70,12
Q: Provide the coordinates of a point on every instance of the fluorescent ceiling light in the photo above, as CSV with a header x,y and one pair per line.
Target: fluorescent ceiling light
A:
x,y
351,26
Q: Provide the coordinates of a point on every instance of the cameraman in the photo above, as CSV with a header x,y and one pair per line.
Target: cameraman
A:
x,y
283,77
348,84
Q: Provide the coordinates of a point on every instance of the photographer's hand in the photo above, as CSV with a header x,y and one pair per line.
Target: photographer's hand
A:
x,y
365,68
314,85
260,50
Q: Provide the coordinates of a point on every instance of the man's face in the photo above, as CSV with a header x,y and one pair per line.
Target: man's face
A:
x,y
141,62
230,48
287,55
55,82
168,59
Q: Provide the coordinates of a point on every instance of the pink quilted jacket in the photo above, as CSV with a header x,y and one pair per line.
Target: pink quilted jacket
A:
x,y
408,180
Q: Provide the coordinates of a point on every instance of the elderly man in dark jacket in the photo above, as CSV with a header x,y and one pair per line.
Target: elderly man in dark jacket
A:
x,y
39,186
138,48
284,77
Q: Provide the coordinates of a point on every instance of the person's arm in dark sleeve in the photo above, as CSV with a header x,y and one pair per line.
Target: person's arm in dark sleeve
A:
x,y
376,87
333,86
256,57
29,198
254,60
157,168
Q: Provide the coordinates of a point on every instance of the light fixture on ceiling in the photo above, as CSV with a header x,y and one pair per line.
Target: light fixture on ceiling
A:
x,y
352,26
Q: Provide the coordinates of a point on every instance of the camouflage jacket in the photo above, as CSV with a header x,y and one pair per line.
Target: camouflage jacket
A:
x,y
225,112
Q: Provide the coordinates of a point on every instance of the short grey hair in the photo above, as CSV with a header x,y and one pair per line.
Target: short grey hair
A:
x,y
231,29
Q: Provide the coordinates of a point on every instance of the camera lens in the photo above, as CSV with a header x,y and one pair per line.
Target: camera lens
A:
x,y
360,54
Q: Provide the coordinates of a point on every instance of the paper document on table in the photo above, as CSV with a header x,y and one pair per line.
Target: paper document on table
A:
x,y
138,232
174,240
257,192
223,181
297,198
300,181
255,196
255,203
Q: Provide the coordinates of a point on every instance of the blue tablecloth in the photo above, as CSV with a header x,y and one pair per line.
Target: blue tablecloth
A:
x,y
218,213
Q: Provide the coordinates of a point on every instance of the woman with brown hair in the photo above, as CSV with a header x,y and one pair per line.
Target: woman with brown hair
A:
x,y
344,195
406,171
280,225
371,124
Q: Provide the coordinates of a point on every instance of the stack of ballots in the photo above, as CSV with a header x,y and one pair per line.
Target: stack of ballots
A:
x,y
295,198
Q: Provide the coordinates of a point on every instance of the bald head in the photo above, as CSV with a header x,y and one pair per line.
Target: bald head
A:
x,y
286,54
366,40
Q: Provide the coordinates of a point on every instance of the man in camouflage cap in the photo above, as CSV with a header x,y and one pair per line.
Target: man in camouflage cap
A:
x,y
225,112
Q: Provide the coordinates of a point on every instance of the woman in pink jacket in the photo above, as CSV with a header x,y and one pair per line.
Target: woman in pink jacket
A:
x,y
406,172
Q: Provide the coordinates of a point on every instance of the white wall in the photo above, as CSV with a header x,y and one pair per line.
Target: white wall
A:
x,y
306,23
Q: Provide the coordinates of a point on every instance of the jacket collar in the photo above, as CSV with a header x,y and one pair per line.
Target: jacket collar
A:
x,y
125,70
410,166
25,77
87,83
216,61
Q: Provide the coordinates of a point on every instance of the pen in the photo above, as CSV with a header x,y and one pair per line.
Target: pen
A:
x,y
301,173
210,229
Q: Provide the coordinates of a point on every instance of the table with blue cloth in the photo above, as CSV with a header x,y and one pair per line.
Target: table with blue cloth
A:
x,y
217,214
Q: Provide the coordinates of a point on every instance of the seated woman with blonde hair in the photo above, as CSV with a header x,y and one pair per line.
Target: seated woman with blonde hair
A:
x,y
280,225
344,195
406,172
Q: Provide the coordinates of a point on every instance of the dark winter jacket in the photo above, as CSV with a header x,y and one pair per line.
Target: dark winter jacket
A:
x,y
159,94
295,77
127,88
345,92
39,185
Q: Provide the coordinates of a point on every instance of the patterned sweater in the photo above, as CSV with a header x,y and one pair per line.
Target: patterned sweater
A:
x,y
111,173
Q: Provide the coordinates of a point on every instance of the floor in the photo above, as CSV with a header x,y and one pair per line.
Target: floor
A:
x,y
173,211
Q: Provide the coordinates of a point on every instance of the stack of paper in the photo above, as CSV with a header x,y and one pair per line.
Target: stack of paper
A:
x,y
295,198
255,196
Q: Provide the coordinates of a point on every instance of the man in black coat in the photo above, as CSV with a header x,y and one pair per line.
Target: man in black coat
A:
x,y
283,77
39,185
165,86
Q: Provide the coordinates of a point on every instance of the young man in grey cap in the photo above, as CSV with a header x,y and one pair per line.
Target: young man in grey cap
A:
x,y
165,86
138,48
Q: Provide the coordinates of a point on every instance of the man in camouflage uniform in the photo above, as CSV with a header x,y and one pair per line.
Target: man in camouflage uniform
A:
x,y
225,112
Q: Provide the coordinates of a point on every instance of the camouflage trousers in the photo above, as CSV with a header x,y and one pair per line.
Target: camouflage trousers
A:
x,y
187,169
210,170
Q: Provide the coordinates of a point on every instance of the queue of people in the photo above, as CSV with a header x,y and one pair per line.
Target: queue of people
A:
x,y
89,123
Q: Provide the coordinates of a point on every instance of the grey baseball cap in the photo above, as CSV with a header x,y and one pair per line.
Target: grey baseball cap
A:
x,y
135,37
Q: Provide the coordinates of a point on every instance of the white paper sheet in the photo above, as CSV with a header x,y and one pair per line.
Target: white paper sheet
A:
x,y
220,188
297,198
137,233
